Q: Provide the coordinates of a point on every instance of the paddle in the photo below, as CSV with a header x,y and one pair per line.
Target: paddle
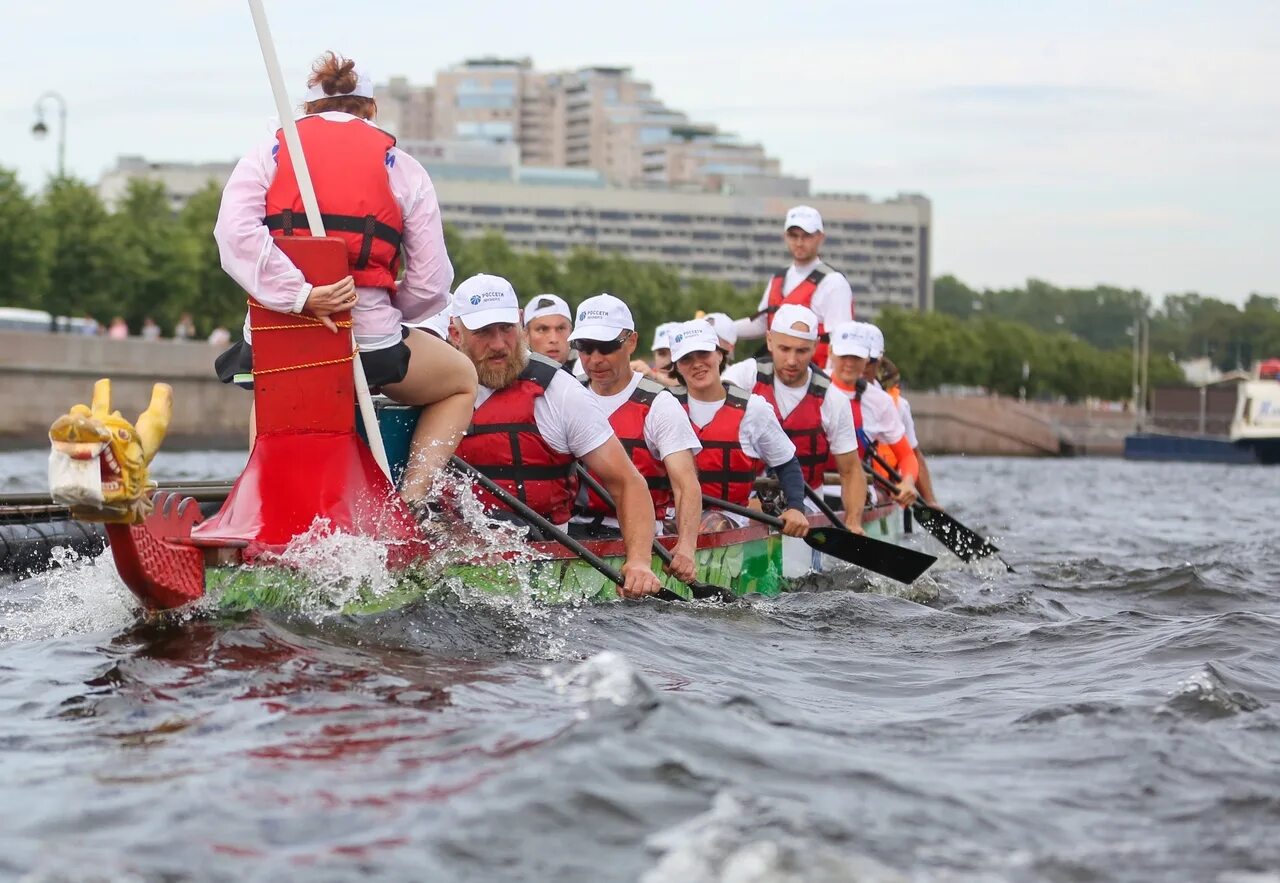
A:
x,y
818,500
896,562
547,527
700,590
967,544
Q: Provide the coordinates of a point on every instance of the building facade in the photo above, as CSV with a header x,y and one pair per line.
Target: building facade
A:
x,y
882,247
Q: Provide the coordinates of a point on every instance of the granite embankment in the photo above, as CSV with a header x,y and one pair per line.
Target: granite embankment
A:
x,y
42,375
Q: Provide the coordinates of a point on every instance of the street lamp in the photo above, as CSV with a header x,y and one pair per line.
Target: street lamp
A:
x,y
39,130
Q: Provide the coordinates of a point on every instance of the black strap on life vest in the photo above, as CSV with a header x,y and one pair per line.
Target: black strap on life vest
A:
x,y
369,227
644,393
541,371
723,475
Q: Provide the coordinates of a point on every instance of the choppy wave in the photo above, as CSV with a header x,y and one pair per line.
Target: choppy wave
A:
x,y
1107,712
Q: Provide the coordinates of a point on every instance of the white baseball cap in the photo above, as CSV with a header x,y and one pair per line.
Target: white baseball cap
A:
x,y
724,327
848,339
485,300
806,217
546,305
789,315
874,338
662,336
693,337
602,317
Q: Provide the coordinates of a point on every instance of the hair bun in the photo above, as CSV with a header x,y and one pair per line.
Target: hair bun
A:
x,y
333,73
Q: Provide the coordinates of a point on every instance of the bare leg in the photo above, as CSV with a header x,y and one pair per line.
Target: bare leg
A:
x,y
253,424
443,381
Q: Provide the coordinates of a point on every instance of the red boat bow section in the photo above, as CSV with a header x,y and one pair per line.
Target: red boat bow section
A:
x,y
307,462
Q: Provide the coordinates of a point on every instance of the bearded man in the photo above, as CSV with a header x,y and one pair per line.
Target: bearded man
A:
x,y
532,420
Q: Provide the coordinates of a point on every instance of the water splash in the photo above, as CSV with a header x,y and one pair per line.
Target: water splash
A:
x,y
77,594
1205,695
745,838
605,677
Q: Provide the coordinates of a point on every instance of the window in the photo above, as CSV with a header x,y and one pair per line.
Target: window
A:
x,y
483,100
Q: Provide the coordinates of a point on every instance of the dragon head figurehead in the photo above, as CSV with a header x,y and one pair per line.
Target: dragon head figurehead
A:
x,y
98,465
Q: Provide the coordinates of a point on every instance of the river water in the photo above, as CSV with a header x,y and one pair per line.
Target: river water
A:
x,y
1107,712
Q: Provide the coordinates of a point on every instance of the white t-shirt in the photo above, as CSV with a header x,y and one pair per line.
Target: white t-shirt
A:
x,y
567,417
837,416
880,419
759,433
832,300
666,428
909,422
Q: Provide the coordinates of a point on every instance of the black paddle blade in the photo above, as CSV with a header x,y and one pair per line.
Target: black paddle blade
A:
x,y
965,543
896,562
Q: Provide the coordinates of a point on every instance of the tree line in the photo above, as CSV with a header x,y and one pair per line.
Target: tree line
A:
x,y
62,251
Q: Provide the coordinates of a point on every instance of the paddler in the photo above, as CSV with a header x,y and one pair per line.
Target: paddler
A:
x,y
532,420
815,416
888,377
659,370
649,422
547,324
739,432
875,416
808,282
726,331
381,201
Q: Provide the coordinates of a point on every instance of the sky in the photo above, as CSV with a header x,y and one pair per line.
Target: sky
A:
x,y
1126,142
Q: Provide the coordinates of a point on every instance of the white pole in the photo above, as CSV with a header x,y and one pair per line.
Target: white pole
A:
x,y
312,208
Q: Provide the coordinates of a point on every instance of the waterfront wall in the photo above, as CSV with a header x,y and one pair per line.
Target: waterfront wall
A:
x,y
42,375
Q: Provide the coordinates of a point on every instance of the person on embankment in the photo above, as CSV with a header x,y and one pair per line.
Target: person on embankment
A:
x,y
808,282
875,416
815,416
649,422
739,432
381,201
532,420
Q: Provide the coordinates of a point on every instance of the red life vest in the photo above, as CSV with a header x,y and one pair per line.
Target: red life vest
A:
x,y
856,404
628,425
802,294
348,165
724,469
804,424
504,444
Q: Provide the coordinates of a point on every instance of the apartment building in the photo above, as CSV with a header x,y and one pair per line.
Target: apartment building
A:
x,y
882,247
599,118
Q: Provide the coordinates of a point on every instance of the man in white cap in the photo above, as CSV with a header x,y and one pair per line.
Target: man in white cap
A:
x,y
649,422
739,432
816,417
726,331
547,323
532,420
808,282
875,416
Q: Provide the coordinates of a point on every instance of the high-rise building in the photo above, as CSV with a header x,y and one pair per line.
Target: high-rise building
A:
x,y
599,118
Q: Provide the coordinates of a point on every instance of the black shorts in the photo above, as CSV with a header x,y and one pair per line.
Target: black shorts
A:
x,y
381,367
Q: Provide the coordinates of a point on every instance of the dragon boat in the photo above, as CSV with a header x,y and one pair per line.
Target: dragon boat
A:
x,y
309,465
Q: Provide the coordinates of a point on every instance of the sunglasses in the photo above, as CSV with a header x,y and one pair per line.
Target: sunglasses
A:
x,y
603,347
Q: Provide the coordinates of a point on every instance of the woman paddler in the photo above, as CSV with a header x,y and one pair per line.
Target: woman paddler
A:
x,y
381,201
739,431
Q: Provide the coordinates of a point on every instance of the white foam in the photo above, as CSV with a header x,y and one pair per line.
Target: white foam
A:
x,y
749,839
77,594
604,677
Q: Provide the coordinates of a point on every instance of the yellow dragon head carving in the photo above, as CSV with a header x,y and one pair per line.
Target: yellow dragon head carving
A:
x,y
98,465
